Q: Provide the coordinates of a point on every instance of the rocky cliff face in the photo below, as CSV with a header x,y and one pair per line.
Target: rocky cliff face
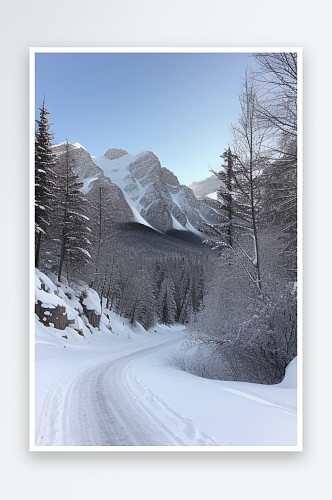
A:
x,y
137,188
115,206
154,193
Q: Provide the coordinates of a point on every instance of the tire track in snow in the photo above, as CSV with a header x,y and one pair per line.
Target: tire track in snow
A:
x,y
94,405
49,428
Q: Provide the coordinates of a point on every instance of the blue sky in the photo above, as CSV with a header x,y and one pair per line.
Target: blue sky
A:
x,y
178,105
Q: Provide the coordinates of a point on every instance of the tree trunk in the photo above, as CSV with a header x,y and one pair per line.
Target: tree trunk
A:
x,y
37,250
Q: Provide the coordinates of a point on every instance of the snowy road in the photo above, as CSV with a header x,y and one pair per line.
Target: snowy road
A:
x,y
98,403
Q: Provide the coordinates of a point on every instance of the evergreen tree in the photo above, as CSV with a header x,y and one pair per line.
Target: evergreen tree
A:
x,y
182,286
225,194
44,179
74,232
167,304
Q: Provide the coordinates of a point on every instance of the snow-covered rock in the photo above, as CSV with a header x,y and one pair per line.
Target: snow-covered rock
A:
x,y
91,306
59,307
116,208
49,307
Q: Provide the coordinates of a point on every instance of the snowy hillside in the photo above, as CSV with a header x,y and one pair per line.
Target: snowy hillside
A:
x,y
167,406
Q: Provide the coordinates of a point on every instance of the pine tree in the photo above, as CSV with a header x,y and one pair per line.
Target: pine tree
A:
x,y
225,194
167,304
74,232
44,179
182,287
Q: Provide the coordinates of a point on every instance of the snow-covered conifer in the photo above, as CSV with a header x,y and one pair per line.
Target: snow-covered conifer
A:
x,y
73,223
44,178
167,304
225,192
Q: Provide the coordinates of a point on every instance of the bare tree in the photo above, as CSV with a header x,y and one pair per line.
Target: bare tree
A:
x,y
245,164
277,75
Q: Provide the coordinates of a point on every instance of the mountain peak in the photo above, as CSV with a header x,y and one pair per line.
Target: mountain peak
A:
x,y
114,153
154,192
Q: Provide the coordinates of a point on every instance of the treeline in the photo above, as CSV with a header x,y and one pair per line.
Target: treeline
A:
x,y
247,327
153,288
138,273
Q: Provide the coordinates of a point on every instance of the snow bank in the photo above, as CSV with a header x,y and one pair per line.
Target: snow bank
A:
x,y
290,379
232,414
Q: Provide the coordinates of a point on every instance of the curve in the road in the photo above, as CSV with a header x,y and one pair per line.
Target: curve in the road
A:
x,y
94,406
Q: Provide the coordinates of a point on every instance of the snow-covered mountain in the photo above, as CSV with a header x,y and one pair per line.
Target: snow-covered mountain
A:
x,y
206,187
152,192
93,179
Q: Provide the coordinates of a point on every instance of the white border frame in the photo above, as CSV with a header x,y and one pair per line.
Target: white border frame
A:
x,y
32,446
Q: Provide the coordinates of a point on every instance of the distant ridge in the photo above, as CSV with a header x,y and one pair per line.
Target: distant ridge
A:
x,y
206,186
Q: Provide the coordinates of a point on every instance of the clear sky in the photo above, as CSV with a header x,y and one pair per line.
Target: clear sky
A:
x,y
178,105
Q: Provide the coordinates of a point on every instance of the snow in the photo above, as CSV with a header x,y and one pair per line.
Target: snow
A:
x,y
175,198
77,145
191,228
212,413
183,409
87,184
231,413
213,196
92,301
46,296
206,186
176,224
117,171
139,218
